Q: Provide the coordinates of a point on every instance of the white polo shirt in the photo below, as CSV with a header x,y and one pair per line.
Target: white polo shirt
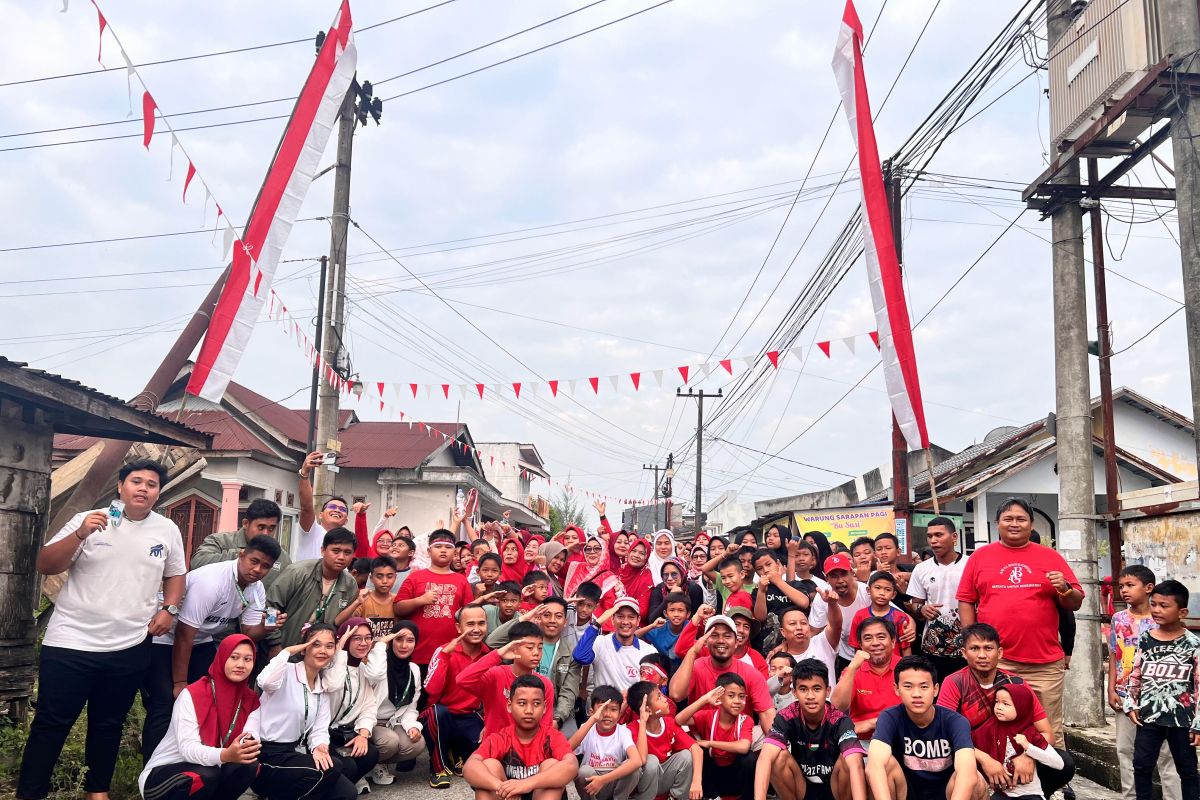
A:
x,y
213,599
113,583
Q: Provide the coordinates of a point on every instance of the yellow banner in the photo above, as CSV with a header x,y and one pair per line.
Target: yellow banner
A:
x,y
846,524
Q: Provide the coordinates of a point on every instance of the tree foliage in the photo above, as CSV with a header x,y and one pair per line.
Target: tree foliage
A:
x,y
565,510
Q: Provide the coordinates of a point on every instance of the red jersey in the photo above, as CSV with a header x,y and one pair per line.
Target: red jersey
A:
x,y
436,620
704,679
962,692
441,686
739,598
489,679
706,724
663,745
898,618
520,759
1009,585
873,692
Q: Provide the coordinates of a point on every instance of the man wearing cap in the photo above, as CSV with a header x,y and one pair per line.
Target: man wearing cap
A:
x,y
615,656
852,596
698,674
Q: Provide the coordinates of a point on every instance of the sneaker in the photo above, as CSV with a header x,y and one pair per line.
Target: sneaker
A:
x,y
440,780
362,787
457,768
1068,792
382,776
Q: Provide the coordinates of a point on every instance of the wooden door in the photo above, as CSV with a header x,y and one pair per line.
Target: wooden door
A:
x,y
196,519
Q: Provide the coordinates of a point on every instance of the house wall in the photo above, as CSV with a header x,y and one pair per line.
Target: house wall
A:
x,y
727,513
1155,441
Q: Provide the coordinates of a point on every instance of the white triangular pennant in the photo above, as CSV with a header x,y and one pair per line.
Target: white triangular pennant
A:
x,y
207,197
462,390
227,245
171,159
428,391
849,342
658,373
706,368
614,380
571,383
128,75
749,361
531,388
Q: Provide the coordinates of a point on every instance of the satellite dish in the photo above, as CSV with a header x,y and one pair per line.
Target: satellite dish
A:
x,y
999,434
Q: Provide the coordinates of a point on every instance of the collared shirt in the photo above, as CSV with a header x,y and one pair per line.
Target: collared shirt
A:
x,y
289,710
613,664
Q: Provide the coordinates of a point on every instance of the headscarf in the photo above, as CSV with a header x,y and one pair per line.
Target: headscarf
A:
x,y
694,574
785,536
222,705
400,684
636,580
654,560
352,622
549,551
993,736
579,572
616,562
824,551
375,541
513,572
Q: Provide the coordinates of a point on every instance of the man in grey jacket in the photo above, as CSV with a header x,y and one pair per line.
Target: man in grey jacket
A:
x,y
261,519
557,664
311,591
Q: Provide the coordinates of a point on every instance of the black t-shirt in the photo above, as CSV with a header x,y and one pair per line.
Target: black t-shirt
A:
x,y
815,749
768,635
925,754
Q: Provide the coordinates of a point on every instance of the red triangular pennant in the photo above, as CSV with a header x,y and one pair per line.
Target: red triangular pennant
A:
x,y
875,338
517,389
381,405
414,388
379,386
446,390
774,357
479,388
727,365
148,106
191,173
636,377
683,373
103,25
595,382
824,348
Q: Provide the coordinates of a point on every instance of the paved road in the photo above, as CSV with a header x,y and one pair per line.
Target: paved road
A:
x,y
415,786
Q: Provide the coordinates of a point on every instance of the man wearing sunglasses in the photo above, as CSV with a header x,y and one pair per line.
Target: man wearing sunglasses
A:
x,y
334,513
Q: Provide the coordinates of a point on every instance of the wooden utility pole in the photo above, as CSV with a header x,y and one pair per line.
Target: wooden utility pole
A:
x,y
900,487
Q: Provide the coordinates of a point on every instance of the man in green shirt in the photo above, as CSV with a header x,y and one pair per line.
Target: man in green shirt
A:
x,y
318,590
261,519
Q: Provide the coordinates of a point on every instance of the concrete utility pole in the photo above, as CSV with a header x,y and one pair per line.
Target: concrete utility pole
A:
x,y
1077,535
654,508
1180,29
900,489
699,397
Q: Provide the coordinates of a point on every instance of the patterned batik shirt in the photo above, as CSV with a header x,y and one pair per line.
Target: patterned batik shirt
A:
x,y
1165,681
1123,637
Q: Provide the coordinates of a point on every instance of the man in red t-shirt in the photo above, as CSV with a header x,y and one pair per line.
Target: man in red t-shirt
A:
x,y
526,758
868,686
451,723
431,597
1017,587
491,681
697,675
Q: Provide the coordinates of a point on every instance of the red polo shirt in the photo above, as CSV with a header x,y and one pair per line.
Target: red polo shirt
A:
x,y
873,692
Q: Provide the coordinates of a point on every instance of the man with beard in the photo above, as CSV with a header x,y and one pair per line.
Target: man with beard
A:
x,y
452,723
852,596
614,657
697,675
557,662
334,514
799,640
867,685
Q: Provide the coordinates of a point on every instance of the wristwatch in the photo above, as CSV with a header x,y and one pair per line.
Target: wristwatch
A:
x,y
172,610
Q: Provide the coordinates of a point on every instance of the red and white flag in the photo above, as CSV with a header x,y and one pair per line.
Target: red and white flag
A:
x,y
883,267
256,255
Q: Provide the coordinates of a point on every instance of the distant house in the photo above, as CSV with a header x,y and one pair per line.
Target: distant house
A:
x,y
258,445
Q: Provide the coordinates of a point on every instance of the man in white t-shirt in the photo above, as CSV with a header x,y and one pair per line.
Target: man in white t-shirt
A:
x,y
934,589
217,595
97,646
335,511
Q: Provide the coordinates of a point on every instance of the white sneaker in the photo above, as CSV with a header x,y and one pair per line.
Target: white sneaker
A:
x,y
382,775
362,787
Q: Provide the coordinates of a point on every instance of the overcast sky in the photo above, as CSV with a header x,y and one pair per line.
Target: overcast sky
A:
x,y
694,99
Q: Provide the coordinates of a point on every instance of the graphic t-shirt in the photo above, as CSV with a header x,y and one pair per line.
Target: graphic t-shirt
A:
x,y
925,754
962,692
816,750
1014,596
873,691
380,613
671,739
706,724
520,759
1123,642
937,583
436,620
604,751
899,621
768,634
1165,681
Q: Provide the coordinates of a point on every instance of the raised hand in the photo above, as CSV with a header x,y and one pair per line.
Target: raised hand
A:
x,y
600,709
299,648
701,643
860,658
390,511
714,695
453,643
600,507
341,645
828,595
644,711
702,614
360,507
311,462
95,521
533,614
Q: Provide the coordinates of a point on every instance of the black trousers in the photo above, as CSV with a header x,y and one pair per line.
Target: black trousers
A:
x,y
1054,779
285,774
69,680
735,780
1147,744
352,767
449,736
185,781
158,695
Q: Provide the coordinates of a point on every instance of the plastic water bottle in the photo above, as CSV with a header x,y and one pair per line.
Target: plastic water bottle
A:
x,y
116,510
272,617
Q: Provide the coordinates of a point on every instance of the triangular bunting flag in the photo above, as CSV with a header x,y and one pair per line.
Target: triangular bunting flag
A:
x,y
553,388
636,377
103,24
380,386
413,386
658,376
683,373
532,388
381,404
849,342
749,360
824,348
595,382
462,391
571,385
446,390
797,353
148,106
773,357
875,338
479,388
613,379
187,181
517,390
428,391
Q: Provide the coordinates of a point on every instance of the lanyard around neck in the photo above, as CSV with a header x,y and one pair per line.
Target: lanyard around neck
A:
x,y
212,685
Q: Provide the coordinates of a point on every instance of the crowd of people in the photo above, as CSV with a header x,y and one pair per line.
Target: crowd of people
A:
x,y
626,666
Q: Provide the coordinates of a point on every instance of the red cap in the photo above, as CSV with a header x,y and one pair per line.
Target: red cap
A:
x,y
838,561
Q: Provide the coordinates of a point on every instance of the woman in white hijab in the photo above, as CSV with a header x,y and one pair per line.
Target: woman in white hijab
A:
x,y
662,547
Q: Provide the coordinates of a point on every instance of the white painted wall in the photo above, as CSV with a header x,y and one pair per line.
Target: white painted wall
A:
x,y
1155,441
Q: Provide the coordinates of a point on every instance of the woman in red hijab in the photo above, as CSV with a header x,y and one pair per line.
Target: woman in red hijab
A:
x,y
205,750
635,574
512,560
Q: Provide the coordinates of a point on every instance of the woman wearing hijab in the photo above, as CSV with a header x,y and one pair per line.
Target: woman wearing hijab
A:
x,y
593,567
205,750
673,578
697,577
776,540
662,548
397,732
635,574
554,556
824,550
512,560
352,681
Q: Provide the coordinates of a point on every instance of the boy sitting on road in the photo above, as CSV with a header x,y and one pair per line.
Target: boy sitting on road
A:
x,y
610,763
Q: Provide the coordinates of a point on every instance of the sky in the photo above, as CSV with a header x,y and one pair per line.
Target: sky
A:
x,y
604,206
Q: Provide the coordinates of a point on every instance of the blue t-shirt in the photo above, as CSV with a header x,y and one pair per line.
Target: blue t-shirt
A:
x,y
664,642
925,754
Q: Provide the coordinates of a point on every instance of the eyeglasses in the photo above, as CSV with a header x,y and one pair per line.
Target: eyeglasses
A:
x,y
671,574
359,639
335,507
591,549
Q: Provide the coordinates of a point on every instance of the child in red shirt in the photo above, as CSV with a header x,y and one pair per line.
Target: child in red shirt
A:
x,y
526,758
431,597
670,751
733,576
492,682
724,733
882,588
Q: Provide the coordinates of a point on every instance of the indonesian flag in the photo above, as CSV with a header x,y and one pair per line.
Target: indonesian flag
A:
x,y
256,255
883,268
